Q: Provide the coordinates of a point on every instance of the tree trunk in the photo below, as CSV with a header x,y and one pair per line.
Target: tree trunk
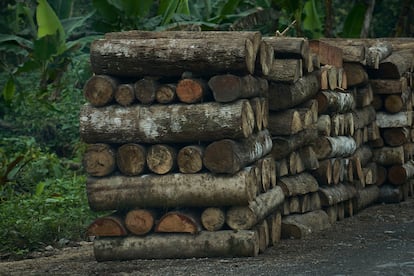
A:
x,y
167,123
334,194
285,70
179,221
161,159
329,147
245,217
221,244
166,93
283,96
173,56
125,94
335,102
99,90
131,159
396,136
366,197
285,122
355,74
399,174
190,159
230,156
299,184
302,225
172,190
145,90
99,160
388,156
141,221
387,86
213,218
401,119
192,90
108,226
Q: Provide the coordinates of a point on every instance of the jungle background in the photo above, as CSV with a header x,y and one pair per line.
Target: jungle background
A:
x,y
44,64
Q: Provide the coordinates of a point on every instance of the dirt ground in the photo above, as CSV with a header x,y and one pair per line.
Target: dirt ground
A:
x,y
377,241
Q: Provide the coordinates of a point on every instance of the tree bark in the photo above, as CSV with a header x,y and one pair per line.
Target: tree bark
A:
x,y
285,122
99,90
285,70
353,50
399,174
172,190
125,94
394,66
245,217
364,116
190,159
192,90
324,125
167,123
108,226
161,159
145,90
329,147
366,197
302,225
378,52
389,194
289,47
328,54
401,119
230,156
308,157
179,221
256,105
99,159
283,96
334,102
355,74
389,86
299,184
363,96
334,194
131,159
396,136
213,218
388,156
141,221
323,174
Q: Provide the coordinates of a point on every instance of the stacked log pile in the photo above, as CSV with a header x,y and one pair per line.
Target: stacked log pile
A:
x,y
179,146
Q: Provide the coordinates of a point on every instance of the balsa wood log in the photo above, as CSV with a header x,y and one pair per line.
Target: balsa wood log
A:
x,y
125,94
145,90
99,90
339,146
166,93
131,159
167,123
172,56
99,159
190,159
399,174
394,66
161,158
377,52
283,96
396,136
285,70
213,218
299,184
284,145
230,156
190,90
285,122
245,217
335,102
108,226
225,243
334,194
172,190
328,54
302,225
141,221
227,88
401,119
355,74
179,221
387,156
387,86
366,197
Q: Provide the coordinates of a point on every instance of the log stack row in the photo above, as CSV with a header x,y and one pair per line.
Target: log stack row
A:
x,y
177,127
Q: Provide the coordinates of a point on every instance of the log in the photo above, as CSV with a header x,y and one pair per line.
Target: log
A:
x,y
363,96
171,190
173,56
228,88
388,156
324,125
334,102
394,66
370,172
245,217
373,131
230,156
264,167
256,105
366,197
266,57
355,74
312,105
389,194
131,159
378,52
145,90
265,112
274,222
304,202
395,103
294,205
179,221
408,151
190,159
283,96
166,123
299,184
262,229
302,225
332,212
284,145
377,102
399,174
315,202
166,93
329,147
141,221
281,167
364,116
396,136
349,124
99,90
190,90
364,155
108,226
288,47
387,86
333,78
334,194
401,119
125,94
328,54
99,159
381,175
161,158
213,218
285,70
323,174
349,208
336,170
285,122
225,243
353,50
309,158
341,211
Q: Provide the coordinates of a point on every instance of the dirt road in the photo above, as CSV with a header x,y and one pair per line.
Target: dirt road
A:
x,y
377,241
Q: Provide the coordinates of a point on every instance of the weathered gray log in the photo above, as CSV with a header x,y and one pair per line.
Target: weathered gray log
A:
x,y
274,222
388,156
309,158
335,102
99,90
302,225
394,66
172,190
335,194
226,243
262,230
173,56
230,156
377,52
389,194
299,184
285,70
339,146
245,217
213,218
285,122
363,96
387,86
399,174
401,119
99,159
366,197
364,116
166,123
353,50
355,74
288,47
324,125
323,174
283,96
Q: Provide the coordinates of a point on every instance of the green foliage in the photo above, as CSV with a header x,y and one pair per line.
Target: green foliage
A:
x,y
354,20
312,22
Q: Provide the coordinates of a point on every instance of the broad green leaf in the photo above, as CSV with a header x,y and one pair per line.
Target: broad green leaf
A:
x,y
45,48
230,7
354,21
9,89
312,22
136,8
63,8
105,9
47,21
167,9
183,7
71,24
19,40
40,188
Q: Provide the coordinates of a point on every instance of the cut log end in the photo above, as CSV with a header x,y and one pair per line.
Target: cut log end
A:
x,y
99,90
